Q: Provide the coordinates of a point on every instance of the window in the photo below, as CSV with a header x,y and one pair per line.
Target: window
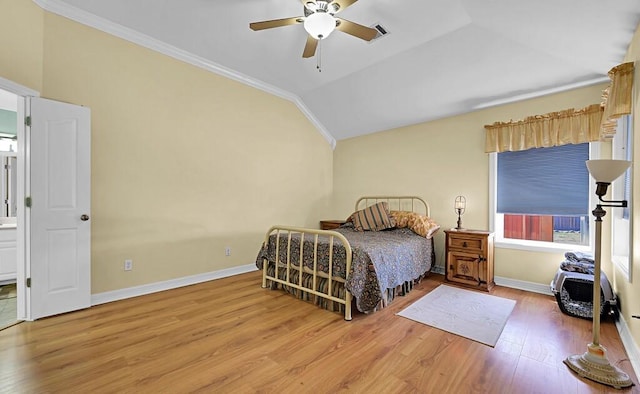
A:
x,y
541,197
621,190
8,144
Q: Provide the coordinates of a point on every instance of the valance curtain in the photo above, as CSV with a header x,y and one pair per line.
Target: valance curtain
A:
x,y
617,98
570,126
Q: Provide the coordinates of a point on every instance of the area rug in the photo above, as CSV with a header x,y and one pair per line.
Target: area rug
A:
x,y
477,316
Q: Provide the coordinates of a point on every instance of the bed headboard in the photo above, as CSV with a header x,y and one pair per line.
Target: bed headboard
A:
x,y
396,203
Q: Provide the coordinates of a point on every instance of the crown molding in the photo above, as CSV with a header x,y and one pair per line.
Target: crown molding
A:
x,y
86,18
541,93
17,89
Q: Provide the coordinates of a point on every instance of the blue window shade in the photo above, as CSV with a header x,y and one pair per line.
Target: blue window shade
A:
x,y
544,181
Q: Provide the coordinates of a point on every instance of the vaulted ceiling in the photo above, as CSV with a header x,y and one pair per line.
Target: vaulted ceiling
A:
x,y
440,58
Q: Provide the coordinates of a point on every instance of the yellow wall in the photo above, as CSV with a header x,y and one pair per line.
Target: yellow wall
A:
x,y
629,293
442,159
21,31
182,159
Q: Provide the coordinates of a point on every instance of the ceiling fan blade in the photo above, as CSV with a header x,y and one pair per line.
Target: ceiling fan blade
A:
x,y
304,2
276,23
310,47
356,30
343,3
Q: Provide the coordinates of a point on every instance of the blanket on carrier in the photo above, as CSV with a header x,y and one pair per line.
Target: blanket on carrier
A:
x,y
581,262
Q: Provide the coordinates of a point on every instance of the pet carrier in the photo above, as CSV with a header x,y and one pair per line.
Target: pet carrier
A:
x,y
574,294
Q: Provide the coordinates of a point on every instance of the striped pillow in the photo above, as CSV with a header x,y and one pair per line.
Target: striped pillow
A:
x,y
373,218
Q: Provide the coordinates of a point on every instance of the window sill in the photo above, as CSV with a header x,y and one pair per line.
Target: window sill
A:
x,y
536,246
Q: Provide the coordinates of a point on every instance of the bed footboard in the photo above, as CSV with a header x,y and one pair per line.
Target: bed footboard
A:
x,y
315,274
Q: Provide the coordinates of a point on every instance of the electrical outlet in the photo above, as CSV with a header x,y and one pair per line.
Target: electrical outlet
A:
x,y
128,265
227,251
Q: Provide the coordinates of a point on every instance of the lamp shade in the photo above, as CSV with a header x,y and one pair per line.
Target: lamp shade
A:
x,y
460,203
319,25
607,171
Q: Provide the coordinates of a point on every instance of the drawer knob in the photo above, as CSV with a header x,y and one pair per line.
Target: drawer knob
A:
x,y
464,244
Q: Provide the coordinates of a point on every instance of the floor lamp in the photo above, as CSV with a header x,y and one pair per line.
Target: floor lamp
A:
x,y
593,364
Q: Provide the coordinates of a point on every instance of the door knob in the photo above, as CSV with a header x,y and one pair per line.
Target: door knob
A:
x,y
84,218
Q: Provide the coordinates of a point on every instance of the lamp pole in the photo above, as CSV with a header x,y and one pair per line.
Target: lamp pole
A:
x,y
599,213
459,206
593,364
459,226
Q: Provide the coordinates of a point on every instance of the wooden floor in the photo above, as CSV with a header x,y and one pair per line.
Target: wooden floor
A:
x,y
232,336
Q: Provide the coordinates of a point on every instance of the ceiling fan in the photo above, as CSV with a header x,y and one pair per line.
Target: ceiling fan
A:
x,y
319,21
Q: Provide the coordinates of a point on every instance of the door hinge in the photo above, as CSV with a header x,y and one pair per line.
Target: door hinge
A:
x,y
27,202
27,120
28,282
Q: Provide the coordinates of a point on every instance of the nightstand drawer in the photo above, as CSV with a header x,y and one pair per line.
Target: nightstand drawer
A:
x,y
467,244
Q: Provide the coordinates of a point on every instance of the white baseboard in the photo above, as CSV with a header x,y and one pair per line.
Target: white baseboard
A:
x,y
629,345
121,294
512,283
523,285
438,269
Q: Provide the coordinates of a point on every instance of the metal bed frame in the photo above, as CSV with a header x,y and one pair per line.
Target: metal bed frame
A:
x,y
399,203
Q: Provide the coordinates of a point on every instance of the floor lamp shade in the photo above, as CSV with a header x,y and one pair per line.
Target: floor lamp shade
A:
x,y
607,171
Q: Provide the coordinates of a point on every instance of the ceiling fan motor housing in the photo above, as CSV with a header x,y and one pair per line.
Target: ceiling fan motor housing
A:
x,y
321,6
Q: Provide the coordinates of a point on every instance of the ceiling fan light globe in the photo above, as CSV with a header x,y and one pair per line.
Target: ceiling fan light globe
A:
x,y
319,25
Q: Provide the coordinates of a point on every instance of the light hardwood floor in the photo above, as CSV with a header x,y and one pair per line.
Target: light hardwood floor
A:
x,y
232,336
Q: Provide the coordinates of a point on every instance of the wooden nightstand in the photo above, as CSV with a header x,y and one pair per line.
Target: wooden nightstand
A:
x,y
331,224
469,255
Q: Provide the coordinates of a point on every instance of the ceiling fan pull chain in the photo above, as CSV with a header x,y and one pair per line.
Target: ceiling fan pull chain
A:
x,y
319,57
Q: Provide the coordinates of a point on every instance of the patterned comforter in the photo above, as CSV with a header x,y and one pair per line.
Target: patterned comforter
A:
x,y
396,256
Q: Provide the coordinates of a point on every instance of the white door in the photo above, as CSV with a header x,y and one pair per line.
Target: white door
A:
x,y
59,260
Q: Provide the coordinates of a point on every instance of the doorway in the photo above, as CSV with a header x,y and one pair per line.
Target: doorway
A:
x,y
8,209
53,204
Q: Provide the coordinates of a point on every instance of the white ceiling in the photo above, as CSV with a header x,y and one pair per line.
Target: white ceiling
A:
x,y
441,58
